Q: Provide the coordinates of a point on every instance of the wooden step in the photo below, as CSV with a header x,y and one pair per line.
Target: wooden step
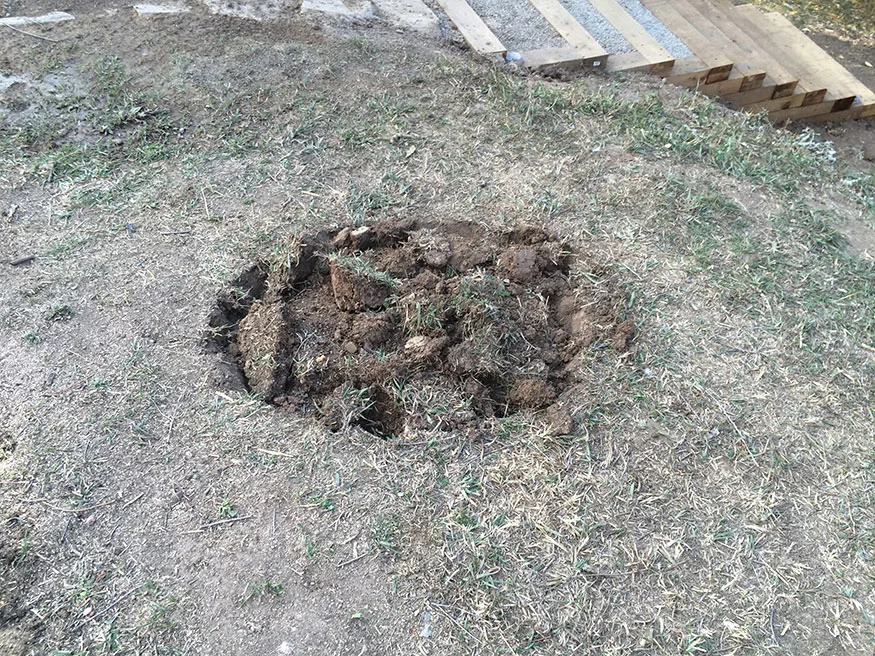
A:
x,y
681,28
473,29
569,29
828,106
659,59
691,72
545,59
815,65
785,82
777,104
735,83
707,42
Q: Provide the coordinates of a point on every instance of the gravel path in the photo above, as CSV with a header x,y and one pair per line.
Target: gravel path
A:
x,y
521,27
517,24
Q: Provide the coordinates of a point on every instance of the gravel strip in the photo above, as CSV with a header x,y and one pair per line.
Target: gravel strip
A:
x,y
611,39
517,24
521,27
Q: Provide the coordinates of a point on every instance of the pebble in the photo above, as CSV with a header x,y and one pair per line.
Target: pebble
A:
x,y
350,347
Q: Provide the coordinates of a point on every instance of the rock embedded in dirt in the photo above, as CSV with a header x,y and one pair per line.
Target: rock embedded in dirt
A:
x,y
350,347
410,326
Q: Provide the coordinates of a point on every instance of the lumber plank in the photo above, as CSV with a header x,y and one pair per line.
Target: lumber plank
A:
x,y
684,30
817,109
691,72
858,111
568,28
707,42
473,29
744,98
629,62
568,58
785,82
734,83
776,104
814,64
637,36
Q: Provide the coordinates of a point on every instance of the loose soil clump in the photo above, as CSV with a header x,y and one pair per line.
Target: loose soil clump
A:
x,y
404,327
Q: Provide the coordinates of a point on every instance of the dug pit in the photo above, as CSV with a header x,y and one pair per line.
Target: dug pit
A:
x,y
405,327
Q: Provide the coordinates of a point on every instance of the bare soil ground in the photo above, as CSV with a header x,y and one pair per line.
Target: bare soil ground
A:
x,y
710,491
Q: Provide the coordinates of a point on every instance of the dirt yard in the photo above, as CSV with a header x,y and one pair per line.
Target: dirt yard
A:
x,y
323,338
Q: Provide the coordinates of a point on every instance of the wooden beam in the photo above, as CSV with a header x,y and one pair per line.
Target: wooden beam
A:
x,y
569,29
756,54
815,66
734,83
810,111
691,72
545,59
858,111
473,29
630,62
639,38
777,104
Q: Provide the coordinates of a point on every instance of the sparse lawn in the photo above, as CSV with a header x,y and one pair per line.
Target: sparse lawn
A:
x,y
714,498
854,17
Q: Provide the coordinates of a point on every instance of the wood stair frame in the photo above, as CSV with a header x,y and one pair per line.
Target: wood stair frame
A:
x,y
753,60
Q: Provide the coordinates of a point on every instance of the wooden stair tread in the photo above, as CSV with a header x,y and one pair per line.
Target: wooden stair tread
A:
x,y
639,38
709,40
568,28
569,57
473,29
785,81
685,31
692,72
800,52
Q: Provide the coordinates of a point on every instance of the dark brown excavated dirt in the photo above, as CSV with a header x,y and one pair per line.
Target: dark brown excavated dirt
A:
x,y
402,327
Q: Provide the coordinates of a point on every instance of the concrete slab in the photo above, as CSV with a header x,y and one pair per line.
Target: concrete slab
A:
x,y
158,10
23,21
411,15
258,10
357,9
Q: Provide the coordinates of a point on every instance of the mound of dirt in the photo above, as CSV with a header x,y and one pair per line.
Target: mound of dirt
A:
x,y
402,327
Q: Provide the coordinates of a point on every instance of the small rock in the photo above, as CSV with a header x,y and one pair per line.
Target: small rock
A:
x,y
425,632
423,348
869,152
436,259
416,343
147,9
350,347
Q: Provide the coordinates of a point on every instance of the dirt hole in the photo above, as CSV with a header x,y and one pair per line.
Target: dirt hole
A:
x,y
404,327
